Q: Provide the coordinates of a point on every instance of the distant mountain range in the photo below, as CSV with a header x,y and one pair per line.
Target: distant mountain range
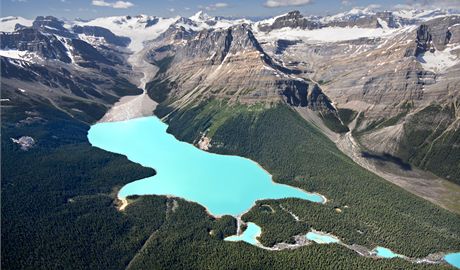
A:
x,y
394,74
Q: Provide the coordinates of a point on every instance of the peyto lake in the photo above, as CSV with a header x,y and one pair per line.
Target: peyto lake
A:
x,y
223,184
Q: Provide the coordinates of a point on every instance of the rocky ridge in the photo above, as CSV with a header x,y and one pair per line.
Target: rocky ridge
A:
x,y
229,64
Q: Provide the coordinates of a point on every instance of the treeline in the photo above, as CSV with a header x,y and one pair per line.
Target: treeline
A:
x,y
59,211
184,242
58,199
429,141
374,211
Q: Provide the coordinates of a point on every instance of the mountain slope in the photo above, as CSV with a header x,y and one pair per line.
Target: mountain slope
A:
x,y
198,88
227,64
385,76
48,63
231,88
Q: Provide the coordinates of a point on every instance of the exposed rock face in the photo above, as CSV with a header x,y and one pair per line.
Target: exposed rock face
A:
x,y
435,35
51,25
389,18
59,69
231,64
151,22
389,80
440,30
378,20
19,27
283,44
297,93
292,19
90,56
376,71
33,40
51,40
423,40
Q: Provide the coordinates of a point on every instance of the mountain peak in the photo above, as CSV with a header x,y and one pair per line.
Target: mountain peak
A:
x,y
200,16
294,13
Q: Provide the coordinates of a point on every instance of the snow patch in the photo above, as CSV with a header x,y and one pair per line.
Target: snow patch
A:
x,y
133,27
95,41
424,15
201,20
200,16
69,49
328,34
382,23
439,61
345,16
20,55
270,21
25,142
7,24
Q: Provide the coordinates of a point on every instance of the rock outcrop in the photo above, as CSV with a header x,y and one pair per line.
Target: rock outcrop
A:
x,y
228,64
32,40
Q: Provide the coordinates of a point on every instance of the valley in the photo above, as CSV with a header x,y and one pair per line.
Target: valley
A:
x,y
261,101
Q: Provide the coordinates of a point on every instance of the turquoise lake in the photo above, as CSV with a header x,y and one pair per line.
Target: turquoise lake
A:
x,y
249,235
321,238
223,184
453,259
385,253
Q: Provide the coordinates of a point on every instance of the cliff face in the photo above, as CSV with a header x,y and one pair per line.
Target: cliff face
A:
x,y
229,64
32,40
390,81
101,32
292,19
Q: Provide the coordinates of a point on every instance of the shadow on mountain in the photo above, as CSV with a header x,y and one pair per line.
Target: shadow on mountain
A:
x,y
385,157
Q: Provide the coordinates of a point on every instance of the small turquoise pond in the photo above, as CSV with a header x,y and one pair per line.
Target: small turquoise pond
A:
x,y
453,259
321,238
385,253
249,235
223,184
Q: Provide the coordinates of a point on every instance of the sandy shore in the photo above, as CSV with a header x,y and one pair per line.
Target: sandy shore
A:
x,y
124,203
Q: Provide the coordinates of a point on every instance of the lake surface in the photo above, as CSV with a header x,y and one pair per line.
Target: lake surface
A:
x,y
249,235
385,253
223,184
453,259
322,238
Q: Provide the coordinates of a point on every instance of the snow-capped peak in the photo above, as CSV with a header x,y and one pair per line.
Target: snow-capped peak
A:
x,y
200,16
353,13
138,28
200,21
424,14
